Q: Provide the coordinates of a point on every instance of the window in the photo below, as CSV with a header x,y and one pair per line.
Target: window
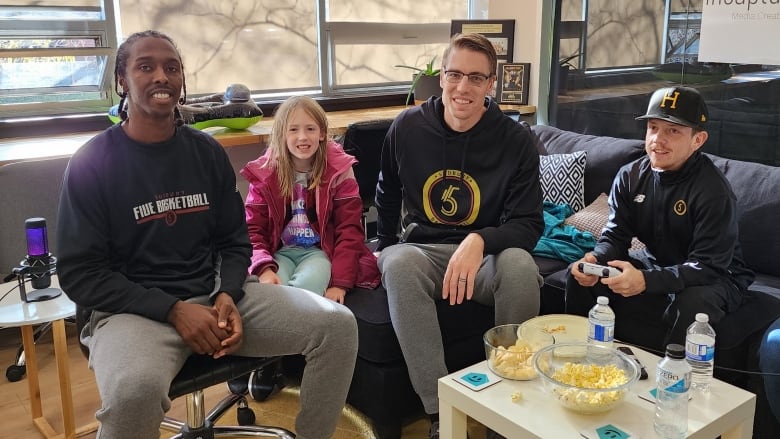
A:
x,y
275,47
269,45
365,40
613,55
55,56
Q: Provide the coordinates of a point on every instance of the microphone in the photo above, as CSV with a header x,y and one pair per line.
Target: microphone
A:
x,y
39,264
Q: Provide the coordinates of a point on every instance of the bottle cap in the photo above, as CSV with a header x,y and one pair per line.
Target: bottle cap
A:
x,y
675,351
702,317
603,300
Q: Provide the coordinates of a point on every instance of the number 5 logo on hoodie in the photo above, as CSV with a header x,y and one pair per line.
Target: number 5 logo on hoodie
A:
x,y
452,198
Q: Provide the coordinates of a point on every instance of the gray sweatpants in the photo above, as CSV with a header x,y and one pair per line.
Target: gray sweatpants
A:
x,y
135,359
412,275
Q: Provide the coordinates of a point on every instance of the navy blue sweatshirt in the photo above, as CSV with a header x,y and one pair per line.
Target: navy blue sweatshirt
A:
x,y
141,226
687,218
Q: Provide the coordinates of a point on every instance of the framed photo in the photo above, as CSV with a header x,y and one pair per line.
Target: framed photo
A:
x,y
500,32
512,83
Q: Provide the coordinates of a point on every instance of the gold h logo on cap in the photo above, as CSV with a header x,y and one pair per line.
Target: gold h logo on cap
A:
x,y
672,98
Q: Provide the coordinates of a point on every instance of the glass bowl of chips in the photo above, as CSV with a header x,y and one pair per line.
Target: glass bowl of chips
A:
x,y
586,378
510,349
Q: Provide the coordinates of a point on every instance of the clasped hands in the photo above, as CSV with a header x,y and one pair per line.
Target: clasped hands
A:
x,y
630,282
212,330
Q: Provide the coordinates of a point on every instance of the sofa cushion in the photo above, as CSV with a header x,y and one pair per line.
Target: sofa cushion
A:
x,y
562,178
757,188
377,342
766,284
594,217
548,266
605,155
460,325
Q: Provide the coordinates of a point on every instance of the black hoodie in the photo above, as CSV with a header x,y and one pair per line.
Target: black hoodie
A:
x,y
484,180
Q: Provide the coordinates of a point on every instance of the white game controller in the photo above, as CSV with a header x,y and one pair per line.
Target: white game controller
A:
x,y
598,270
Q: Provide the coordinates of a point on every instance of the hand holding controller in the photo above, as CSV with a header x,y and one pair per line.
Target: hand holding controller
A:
x,y
598,270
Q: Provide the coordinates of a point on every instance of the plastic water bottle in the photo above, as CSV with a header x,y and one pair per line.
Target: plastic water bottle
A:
x,y
601,323
700,352
672,379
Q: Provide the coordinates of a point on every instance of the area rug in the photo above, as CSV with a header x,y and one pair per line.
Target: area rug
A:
x,y
280,409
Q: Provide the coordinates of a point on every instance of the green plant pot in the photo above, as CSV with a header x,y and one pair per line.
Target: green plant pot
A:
x,y
426,87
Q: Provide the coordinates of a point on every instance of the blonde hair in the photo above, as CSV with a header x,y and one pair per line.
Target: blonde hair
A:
x,y
280,158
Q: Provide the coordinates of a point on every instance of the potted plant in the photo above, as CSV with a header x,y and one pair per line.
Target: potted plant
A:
x,y
425,82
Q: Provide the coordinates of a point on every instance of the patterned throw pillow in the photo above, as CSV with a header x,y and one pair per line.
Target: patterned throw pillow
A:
x,y
563,179
594,217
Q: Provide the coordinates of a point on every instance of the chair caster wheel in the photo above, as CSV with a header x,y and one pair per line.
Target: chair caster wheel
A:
x,y
266,381
15,372
244,414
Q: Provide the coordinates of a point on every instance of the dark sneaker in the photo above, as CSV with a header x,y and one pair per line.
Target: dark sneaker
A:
x,y
433,433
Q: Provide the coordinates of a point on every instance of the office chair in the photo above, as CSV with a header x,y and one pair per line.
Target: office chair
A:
x,y
200,372
363,140
30,188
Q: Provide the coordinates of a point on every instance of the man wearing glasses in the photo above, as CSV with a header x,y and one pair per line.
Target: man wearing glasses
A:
x,y
468,179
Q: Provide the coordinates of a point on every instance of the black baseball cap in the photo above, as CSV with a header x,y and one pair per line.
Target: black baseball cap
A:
x,y
680,105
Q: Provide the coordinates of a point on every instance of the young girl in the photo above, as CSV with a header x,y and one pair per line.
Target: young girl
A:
x,y
303,209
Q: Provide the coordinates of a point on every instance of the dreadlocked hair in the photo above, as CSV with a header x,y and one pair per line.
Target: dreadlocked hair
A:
x,y
177,118
120,67
122,109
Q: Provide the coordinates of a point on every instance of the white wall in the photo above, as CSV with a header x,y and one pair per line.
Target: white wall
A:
x,y
527,29
530,24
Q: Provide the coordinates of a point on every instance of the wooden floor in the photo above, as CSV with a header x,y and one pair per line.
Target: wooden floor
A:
x,y
15,418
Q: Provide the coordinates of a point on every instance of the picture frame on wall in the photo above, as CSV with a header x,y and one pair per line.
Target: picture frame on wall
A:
x,y
512,83
500,32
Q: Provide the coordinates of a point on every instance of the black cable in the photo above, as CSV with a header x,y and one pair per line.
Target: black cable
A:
x,y
722,368
749,372
9,292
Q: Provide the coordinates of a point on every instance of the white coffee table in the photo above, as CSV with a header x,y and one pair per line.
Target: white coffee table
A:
x,y
727,411
15,313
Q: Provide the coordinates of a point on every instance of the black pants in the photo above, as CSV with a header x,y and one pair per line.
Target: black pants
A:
x,y
654,320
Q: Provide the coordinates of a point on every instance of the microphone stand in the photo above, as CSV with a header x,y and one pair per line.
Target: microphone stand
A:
x,y
35,295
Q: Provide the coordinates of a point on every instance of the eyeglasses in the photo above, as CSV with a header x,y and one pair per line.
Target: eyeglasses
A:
x,y
454,77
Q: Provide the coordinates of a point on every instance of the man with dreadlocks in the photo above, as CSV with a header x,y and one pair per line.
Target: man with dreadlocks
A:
x,y
154,242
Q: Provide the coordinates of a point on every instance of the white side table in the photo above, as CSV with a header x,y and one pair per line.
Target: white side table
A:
x,y
14,312
727,412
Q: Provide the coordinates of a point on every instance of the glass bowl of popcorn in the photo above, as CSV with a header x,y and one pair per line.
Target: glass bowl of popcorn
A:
x,y
510,349
586,378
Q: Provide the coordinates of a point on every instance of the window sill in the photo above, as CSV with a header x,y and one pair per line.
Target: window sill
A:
x,y
44,146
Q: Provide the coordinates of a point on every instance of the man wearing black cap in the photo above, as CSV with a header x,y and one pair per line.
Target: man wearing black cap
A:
x,y
682,207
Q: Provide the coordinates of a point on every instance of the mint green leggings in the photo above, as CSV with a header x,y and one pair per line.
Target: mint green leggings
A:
x,y
306,268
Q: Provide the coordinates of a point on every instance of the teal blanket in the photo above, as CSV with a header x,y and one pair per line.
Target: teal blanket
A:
x,y
559,240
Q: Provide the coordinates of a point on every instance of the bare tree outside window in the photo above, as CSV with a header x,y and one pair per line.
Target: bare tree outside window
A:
x,y
273,45
265,45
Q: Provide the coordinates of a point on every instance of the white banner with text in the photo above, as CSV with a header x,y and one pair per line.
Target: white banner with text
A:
x,y
740,31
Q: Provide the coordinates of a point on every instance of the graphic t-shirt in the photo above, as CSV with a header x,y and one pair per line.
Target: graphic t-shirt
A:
x,y
298,232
